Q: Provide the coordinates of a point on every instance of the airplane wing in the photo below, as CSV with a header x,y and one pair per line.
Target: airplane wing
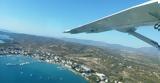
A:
x,y
124,20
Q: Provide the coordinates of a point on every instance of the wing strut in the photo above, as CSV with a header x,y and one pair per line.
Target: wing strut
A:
x,y
145,39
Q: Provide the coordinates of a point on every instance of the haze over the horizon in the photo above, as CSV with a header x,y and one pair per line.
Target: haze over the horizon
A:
x,y
52,17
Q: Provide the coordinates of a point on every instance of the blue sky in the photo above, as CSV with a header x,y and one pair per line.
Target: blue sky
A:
x,y
52,17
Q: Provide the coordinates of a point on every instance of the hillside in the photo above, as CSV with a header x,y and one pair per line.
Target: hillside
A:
x,y
129,65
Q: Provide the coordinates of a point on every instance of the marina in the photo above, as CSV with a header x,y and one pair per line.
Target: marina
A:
x,y
34,71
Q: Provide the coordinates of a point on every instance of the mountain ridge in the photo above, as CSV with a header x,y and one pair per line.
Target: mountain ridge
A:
x,y
113,46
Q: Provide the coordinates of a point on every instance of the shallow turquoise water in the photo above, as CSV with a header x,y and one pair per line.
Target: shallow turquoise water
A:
x,y
20,69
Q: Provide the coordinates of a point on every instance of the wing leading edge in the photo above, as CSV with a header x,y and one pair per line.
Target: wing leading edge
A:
x,y
132,17
126,21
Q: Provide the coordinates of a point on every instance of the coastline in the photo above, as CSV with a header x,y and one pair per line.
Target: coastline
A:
x,y
63,67
79,69
59,65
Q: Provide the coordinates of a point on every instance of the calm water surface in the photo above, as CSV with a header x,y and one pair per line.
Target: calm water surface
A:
x,y
21,69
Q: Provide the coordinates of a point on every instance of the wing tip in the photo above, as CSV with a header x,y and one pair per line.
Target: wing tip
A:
x,y
67,31
72,31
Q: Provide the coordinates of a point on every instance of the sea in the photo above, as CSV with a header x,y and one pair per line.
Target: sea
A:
x,y
23,69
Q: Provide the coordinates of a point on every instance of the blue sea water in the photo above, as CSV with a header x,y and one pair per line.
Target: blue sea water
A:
x,y
21,69
1,41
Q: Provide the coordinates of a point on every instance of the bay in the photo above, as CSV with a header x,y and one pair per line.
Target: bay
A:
x,y
22,69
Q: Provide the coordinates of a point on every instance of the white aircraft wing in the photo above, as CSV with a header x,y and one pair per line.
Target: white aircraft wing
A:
x,y
126,21
143,14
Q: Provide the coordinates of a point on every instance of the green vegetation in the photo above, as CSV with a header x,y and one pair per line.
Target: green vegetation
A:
x,y
123,66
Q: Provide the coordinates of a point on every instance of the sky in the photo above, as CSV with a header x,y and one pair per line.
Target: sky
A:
x,y
52,17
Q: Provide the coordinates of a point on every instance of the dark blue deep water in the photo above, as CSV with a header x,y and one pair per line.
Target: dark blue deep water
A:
x,y
20,69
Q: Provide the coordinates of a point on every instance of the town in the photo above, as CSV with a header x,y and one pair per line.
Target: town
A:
x,y
96,64
81,69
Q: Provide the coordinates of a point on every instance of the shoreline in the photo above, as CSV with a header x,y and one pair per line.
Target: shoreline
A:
x,y
59,65
69,69
79,69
